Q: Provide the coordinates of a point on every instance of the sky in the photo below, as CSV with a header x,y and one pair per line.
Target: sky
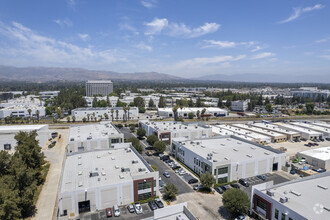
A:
x,y
186,38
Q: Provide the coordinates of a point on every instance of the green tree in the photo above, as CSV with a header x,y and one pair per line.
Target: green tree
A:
x,y
170,191
175,112
151,139
108,101
228,103
84,119
151,103
159,146
190,103
73,118
198,114
236,201
199,102
140,132
207,180
138,148
190,115
220,104
68,119
267,101
94,103
29,111
139,102
9,200
48,111
106,116
133,140
310,108
260,102
58,112
38,115
269,108
112,111
117,112
162,102
5,158
132,128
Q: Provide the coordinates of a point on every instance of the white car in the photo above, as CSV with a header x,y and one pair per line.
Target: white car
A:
x,y
116,211
138,208
182,172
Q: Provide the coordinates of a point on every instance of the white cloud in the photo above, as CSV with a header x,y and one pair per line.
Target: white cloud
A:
x,y
208,60
126,26
297,12
262,55
327,57
226,44
143,46
149,3
64,23
179,30
323,40
30,48
83,37
71,3
257,48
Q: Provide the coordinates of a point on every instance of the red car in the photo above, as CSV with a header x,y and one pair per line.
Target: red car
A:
x,y
108,212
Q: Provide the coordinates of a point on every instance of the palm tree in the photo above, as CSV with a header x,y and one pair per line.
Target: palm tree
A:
x,y
175,112
94,116
106,116
73,118
112,111
29,111
117,112
38,113
128,108
88,116
124,116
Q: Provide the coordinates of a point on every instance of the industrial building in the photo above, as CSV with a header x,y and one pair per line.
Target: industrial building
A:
x,y
23,111
29,101
49,94
93,136
290,135
218,131
7,135
112,99
310,92
118,113
325,131
258,138
305,133
319,158
274,136
99,87
171,130
228,158
239,106
100,179
210,112
178,211
306,198
322,124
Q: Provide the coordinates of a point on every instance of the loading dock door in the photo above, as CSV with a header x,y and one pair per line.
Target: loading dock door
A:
x,y
275,166
84,206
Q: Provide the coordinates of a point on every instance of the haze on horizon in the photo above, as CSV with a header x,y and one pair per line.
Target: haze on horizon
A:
x,y
182,38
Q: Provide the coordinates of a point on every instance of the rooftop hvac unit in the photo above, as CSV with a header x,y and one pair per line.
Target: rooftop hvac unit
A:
x,y
80,173
92,174
98,179
79,157
295,193
98,156
125,169
134,161
249,155
268,192
117,167
112,158
284,199
121,176
79,163
129,150
109,152
226,158
215,161
80,184
103,173
209,158
142,169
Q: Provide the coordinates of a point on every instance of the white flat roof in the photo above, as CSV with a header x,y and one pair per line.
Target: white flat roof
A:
x,y
224,132
173,126
261,130
107,163
274,128
312,127
327,125
306,196
228,149
297,128
17,128
244,132
322,153
211,109
92,131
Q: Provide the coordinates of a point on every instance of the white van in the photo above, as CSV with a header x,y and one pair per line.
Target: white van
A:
x,y
116,211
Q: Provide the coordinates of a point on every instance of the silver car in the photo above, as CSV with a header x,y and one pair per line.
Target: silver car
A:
x,y
138,208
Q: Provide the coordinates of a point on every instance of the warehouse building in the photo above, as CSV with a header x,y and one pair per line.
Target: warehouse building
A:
x,y
290,135
22,111
93,136
305,133
100,179
319,158
30,100
223,132
178,211
306,198
274,136
228,158
258,138
210,112
322,124
7,135
325,131
118,113
171,130
99,87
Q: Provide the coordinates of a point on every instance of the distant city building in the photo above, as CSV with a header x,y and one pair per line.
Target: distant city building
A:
x,y
228,158
171,130
210,112
310,92
22,111
112,99
49,94
306,198
30,100
6,95
99,87
7,135
93,136
98,113
100,179
239,106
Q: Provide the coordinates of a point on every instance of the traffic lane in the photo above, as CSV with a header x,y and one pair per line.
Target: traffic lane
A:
x,y
174,178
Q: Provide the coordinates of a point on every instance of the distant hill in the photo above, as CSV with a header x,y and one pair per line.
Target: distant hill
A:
x,y
43,74
274,78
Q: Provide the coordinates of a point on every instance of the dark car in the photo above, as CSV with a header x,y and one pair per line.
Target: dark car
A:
x,y
262,177
244,182
193,180
176,167
219,190
159,203
321,139
303,139
234,185
225,187
165,157
168,161
152,205
108,212
292,172
328,139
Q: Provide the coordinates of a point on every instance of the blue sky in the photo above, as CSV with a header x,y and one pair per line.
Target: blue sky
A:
x,y
187,38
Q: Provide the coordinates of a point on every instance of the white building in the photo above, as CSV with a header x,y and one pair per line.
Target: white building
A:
x,y
290,135
100,179
49,94
168,131
99,87
319,158
210,111
239,106
306,198
305,133
80,113
30,100
325,131
228,158
310,92
93,136
178,211
112,99
22,111
7,135
217,131
322,124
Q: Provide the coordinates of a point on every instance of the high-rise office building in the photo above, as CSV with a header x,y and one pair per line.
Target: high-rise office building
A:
x,y
99,87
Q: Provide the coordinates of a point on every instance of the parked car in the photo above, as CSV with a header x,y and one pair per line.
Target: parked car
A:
x,y
166,174
225,187
307,145
178,170
116,211
193,180
149,153
234,185
108,212
159,203
328,139
319,170
219,190
244,182
303,139
197,187
292,172
321,139
182,172
162,184
241,217
176,167
138,208
152,205
130,208
262,177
